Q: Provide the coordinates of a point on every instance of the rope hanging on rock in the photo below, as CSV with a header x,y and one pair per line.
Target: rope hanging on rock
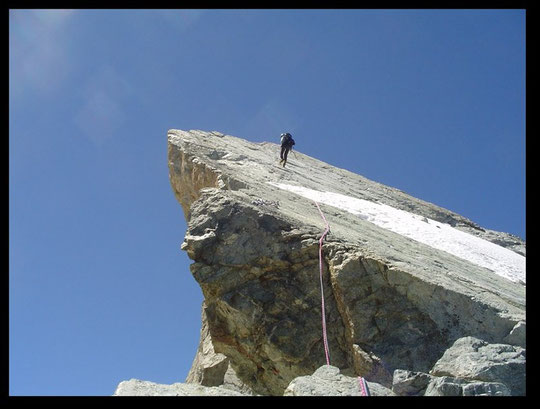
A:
x,y
364,390
325,340
362,384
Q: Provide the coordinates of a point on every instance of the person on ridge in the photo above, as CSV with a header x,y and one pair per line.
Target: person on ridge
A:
x,y
287,143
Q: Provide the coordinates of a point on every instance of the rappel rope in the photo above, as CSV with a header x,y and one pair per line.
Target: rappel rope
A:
x,y
364,390
323,314
362,384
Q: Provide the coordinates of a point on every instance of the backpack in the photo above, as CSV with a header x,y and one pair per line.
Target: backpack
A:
x,y
287,140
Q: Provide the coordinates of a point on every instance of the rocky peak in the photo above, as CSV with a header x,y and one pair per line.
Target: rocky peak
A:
x,y
403,279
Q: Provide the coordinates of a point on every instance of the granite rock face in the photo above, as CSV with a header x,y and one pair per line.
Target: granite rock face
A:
x,y
471,358
470,367
135,387
328,381
391,302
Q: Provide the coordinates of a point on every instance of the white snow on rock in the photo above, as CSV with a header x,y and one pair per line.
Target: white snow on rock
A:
x,y
441,236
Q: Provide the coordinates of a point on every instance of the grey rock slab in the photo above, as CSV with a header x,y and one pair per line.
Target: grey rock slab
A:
x,y
471,358
136,387
407,383
391,301
328,381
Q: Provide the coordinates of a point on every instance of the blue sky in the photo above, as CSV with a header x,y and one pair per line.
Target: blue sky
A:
x,y
428,101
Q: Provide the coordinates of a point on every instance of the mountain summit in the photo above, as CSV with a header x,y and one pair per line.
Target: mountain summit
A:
x,y
397,291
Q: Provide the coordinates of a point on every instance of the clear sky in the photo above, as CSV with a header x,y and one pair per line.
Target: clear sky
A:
x,y
428,101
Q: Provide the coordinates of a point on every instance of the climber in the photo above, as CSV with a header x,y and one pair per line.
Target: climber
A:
x,y
287,143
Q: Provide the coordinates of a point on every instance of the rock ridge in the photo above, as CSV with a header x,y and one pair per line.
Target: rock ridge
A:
x,y
394,306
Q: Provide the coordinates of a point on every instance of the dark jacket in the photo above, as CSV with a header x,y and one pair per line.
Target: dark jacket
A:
x,y
287,141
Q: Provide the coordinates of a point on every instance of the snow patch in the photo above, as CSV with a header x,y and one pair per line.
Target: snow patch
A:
x,y
441,236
